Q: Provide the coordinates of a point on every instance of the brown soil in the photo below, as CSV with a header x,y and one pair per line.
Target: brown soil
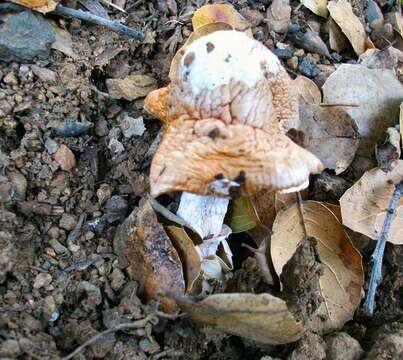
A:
x,y
60,281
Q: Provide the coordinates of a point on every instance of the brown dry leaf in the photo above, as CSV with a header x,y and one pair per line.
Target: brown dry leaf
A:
x,y
131,87
364,205
343,277
263,318
389,150
401,122
284,200
335,209
146,249
201,31
63,42
396,19
318,7
331,135
263,203
342,13
188,254
42,6
221,13
278,16
308,91
377,91
337,40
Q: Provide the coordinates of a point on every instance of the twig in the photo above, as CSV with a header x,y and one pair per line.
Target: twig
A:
x,y
87,16
169,353
346,104
377,256
132,325
111,4
301,212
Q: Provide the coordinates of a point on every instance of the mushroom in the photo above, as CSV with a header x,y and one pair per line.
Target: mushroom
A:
x,y
227,112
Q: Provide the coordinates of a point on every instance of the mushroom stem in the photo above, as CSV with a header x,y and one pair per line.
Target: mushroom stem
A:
x,y
204,213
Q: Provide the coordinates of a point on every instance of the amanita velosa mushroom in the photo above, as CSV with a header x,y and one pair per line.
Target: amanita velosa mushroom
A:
x,y
227,111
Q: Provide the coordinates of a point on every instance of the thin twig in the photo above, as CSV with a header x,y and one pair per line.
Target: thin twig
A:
x,y
346,104
110,24
111,4
132,325
377,256
301,212
86,16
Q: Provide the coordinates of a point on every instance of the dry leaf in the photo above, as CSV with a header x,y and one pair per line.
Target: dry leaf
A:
x,y
188,254
342,279
63,42
243,216
308,91
365,204
308,40
284,200
377,91
331,135
143,245
318,7
222,13
263,318
337,40
342,13
401,122
396,19
278,16
42,6
132,87
389,150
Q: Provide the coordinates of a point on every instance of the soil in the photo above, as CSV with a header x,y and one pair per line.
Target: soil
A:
x,y
60,280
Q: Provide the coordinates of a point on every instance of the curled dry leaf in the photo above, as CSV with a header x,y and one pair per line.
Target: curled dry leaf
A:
x,y
331,135
401,122
278,16
342,13
342,278
145,248
396,19
308,91
378,93
189,257
222,13
263,318
318,7
364,205
337,40
309,40
42,6
132,87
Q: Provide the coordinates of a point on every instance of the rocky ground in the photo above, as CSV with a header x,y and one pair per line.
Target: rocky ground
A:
x,y
64,190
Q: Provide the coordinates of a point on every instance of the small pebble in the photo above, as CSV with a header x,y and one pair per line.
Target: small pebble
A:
x,y
72,129
293,63
308,68
10,349
341,346
117,279
299,52
65,158
42,280
67,222
45,75
104,193
132,126
51,146
285,53
101,128
10,78
116,147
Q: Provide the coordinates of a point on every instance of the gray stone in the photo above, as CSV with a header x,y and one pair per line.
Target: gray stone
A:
x,y
132,126
24,36
51,146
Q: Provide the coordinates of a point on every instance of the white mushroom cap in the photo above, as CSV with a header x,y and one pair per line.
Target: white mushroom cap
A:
x,y
224,56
